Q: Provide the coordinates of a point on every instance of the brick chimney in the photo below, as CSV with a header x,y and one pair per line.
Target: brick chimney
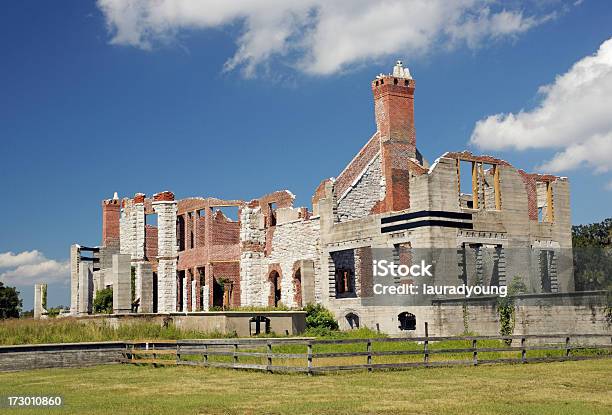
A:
x,y
111,211
394,111
394,106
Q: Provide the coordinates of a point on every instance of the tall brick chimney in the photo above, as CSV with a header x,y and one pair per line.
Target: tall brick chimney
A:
x,y
394,110
394,107
111,211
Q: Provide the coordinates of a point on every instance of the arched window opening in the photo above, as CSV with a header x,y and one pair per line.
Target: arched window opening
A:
x,y
407,321
353,320
297,286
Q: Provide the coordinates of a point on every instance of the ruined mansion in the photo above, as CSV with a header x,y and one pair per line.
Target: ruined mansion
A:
x,y
163,255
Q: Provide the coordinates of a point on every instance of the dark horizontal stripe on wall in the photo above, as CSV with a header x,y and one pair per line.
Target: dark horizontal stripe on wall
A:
x,y
425,213
422,223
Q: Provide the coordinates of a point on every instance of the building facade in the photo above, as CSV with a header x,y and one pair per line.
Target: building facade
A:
x,y
501,223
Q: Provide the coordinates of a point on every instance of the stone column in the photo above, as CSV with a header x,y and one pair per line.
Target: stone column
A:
x,y
205,294
194,297
167,251
75,258
122,284
138,252
144,287
85,297
307,274
252,259
40,300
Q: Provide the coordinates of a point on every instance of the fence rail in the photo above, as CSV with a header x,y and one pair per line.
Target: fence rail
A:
x,y
280,355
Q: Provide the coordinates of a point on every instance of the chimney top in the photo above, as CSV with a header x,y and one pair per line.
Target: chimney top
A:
x,y
401,72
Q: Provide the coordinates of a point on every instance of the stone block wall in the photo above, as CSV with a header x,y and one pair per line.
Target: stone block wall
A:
x,y
363,194
167,252
293,241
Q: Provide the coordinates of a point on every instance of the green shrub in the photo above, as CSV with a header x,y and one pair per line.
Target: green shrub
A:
x,y
320,318
103,302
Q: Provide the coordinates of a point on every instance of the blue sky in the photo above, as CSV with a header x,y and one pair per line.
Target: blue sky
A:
x,y
96,98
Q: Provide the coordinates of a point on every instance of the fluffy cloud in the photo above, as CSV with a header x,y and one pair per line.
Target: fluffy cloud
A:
x,y
10,259
573,118
320,36
29,267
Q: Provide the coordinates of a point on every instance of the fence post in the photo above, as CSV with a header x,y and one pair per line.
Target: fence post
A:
x,y
178,353
309,357
426,345
567,347
205,355
474,346
523,351
369,349
269,344
235,355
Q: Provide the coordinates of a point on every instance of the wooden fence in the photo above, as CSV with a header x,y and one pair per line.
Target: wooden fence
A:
x,y
281,355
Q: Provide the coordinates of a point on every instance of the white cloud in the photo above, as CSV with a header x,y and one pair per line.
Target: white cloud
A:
x,y
10,259
29,267
573,118
320,36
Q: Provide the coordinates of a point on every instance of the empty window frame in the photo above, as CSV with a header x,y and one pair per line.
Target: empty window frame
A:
x,y
344,284
545,202
180,232
272,214
548,271
478,185
344,272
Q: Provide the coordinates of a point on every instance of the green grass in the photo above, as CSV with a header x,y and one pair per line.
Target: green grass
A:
x,y
69,330
550,388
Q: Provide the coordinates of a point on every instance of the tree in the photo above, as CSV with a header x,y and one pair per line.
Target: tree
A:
x,y
10,303
592,255
103,303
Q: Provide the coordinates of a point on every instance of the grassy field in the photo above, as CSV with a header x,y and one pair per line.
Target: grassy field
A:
x,y
548,388
70,330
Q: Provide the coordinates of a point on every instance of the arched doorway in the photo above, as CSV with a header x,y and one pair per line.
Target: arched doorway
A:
x,y
352,320
297,288
275,289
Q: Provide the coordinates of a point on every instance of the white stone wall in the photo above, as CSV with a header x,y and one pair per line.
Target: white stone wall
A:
x,y
363,194
252,272
139,231
206,295
252,225
75,259
127,231
291,242
40,291
253,287
167,254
